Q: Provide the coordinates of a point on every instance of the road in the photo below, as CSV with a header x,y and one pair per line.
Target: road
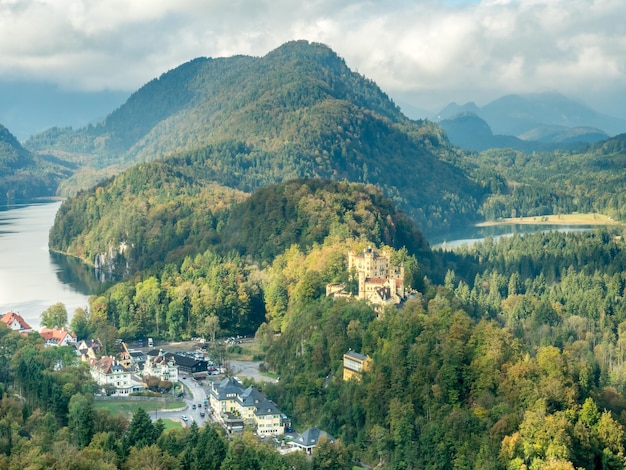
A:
x,y
195,394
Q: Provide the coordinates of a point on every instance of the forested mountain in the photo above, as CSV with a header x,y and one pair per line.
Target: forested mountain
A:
x,y
557,182
297,112
24,175
159,212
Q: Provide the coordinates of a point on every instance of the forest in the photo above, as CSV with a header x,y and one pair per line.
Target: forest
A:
x,y
24,175
514,361
160,216
508,354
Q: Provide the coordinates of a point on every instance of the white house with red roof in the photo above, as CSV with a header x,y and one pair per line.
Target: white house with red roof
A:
x,y
15,322
57,336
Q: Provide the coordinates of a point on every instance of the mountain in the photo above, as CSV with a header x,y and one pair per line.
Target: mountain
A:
x,y
543,117
209,99
516,114
470,132
32,107
156,213
24,175
298,112
453,109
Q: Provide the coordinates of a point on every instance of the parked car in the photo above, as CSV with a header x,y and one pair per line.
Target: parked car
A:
x,y
183,417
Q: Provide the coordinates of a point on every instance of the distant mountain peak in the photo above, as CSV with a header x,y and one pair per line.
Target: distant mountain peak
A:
x,y
548,117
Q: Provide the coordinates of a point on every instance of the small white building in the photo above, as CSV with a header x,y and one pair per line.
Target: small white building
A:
x,y
308,440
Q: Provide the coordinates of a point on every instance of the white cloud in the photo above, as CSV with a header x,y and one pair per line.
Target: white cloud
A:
x,y
467,49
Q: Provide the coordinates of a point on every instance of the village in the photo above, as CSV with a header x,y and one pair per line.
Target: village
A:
x,y
210,390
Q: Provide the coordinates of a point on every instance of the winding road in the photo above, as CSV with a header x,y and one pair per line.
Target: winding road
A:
x,y
195,394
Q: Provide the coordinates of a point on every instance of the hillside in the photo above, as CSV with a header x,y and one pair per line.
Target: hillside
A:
x,y
297,112
589,179
127,225
24,175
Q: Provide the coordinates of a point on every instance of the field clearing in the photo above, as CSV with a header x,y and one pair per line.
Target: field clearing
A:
x,y
128,408
561,219
248,350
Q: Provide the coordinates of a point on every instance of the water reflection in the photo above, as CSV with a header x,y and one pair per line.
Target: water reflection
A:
x,y
73,272
472,234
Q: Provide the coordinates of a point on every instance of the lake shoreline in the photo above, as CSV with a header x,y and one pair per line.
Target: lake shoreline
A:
x,y
564,219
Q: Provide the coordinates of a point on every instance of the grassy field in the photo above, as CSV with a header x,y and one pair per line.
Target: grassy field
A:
x,y
246,351
563,219
128,408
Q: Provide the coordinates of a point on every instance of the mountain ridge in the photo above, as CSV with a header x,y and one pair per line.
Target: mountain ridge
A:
x,y
522,115
297,112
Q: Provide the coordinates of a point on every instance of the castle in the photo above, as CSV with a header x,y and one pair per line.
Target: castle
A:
x,y
380,282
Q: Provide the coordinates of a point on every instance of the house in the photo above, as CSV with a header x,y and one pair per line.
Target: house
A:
x,y
198,368
124,355
231,401
268,419
223,396
88,349
110,374
15,322
248,401
108,371
354,364
310,438
161,366
137,359
57,337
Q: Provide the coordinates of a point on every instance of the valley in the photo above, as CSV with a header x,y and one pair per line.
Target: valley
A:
x,y
228,196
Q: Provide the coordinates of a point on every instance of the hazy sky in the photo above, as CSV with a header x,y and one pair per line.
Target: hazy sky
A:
x,y
426,52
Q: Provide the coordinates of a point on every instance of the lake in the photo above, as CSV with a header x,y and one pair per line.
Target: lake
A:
x,y
470,235
32,278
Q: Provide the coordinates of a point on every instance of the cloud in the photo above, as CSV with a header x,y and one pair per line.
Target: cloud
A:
x,y
467,49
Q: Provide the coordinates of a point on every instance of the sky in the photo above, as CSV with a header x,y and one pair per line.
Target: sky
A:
x,y
423,53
